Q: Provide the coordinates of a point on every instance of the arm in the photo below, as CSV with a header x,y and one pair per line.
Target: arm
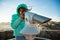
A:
x,y
15,21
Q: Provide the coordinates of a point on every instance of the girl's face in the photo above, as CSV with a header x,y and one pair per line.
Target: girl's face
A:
x,y
21,12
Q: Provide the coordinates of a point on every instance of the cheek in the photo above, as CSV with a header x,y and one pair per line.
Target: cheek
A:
x,y
21,12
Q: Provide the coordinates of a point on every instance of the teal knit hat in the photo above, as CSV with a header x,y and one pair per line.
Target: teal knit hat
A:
x,y
22,5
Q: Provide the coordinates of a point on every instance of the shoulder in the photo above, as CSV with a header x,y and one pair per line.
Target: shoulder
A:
x,y
15,15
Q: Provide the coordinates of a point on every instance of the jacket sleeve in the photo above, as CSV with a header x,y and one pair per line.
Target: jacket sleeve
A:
x,y
15,22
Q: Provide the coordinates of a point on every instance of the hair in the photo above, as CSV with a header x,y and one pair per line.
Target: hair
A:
x,y
23,8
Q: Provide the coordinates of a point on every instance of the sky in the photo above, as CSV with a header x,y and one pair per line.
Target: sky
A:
x,y
47,8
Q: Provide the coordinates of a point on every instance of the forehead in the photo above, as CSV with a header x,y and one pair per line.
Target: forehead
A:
x,y
21,8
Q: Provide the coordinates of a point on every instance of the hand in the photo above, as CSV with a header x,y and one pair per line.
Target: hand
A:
x,y
32,21
22,16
